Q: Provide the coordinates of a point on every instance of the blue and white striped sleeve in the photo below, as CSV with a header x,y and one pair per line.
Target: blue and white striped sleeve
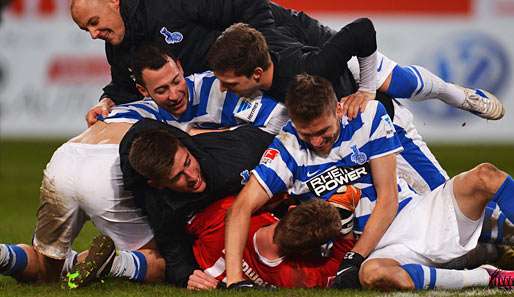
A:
x,y
382,138
131,112
275,170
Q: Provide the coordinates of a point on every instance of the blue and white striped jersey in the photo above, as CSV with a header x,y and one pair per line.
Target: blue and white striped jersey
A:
x,y
208,108
288,165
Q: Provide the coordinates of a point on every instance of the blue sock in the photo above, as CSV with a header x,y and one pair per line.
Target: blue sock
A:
x,y
417,274
141,266
16,260
404,82
504,197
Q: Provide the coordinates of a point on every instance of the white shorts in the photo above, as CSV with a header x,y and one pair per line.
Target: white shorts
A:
x,y
430,230
384,67
81,182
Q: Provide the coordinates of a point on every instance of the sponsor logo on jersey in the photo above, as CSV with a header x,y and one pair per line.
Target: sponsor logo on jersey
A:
x,y
358,156
269,155
253,275
248,110
335,178
171,37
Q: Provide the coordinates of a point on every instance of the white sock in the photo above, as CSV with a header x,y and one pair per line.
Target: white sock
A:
x,y
425,277
436,88
4,256
457,279
69,262
129,264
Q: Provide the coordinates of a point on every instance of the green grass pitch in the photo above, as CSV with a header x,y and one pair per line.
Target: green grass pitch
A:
x,y
21,165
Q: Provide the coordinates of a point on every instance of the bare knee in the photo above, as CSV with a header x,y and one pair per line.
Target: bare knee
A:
x,y
380,275
487,178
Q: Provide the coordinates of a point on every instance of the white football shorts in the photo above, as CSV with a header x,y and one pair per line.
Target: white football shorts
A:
x,y
81,182
430,230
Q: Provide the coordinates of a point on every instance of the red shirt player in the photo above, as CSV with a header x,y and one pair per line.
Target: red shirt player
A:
x,y
208,228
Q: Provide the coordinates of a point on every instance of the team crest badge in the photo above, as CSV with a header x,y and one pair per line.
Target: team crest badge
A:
x,y
358,156
171,37
245,176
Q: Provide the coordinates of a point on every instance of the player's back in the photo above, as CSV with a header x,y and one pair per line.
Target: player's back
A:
x,y
103,133
208,228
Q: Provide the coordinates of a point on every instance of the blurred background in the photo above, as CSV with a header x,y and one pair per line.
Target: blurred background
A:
x,y
51,72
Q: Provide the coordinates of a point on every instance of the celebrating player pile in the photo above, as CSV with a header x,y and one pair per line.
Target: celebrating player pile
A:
x,y
346,193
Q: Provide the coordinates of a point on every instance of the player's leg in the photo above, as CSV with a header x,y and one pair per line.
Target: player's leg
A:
x,y
418,84
475,188
144,265
384,274
58,222
150,266
387,274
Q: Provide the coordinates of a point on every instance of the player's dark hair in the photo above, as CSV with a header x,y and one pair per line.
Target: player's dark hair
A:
x,y
309,97
239,48
152,153
306,227
147,56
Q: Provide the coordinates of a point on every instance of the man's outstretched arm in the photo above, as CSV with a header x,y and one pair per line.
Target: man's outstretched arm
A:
x,y
384,179
250,199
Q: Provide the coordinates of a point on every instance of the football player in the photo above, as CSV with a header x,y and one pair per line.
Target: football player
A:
x,y
318,152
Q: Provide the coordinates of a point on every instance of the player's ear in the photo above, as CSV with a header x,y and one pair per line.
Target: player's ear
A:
x,y
257,73
142,90
291,207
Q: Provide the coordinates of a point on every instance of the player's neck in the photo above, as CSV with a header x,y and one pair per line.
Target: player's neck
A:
x,y
264,242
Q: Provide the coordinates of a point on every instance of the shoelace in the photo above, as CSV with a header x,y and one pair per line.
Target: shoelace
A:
x,y
499,281
484,105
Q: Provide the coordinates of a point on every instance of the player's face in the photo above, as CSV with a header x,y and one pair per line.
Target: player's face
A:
x,y
185,174
240,84
167,87
321,133
101,18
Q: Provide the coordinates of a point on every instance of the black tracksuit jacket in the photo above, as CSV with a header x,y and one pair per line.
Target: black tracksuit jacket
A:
x,y
297,42
222,156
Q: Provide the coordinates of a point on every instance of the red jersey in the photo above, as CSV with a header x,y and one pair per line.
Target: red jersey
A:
x,y
208,228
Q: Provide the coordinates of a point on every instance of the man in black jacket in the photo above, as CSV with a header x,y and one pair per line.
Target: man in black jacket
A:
x,y
224,159
187,28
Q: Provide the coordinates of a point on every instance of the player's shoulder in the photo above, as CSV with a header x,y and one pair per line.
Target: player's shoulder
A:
x,y
288,138
201,75
373,109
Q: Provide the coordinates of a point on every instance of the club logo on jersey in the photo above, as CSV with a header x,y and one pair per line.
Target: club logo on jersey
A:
x,y
269,155
389,126
335,178
357,156
171,37
245,176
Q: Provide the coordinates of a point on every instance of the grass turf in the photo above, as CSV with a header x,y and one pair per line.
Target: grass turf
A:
x,y
21,166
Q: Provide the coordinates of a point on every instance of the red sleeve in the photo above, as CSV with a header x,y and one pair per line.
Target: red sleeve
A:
x,y
300,273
